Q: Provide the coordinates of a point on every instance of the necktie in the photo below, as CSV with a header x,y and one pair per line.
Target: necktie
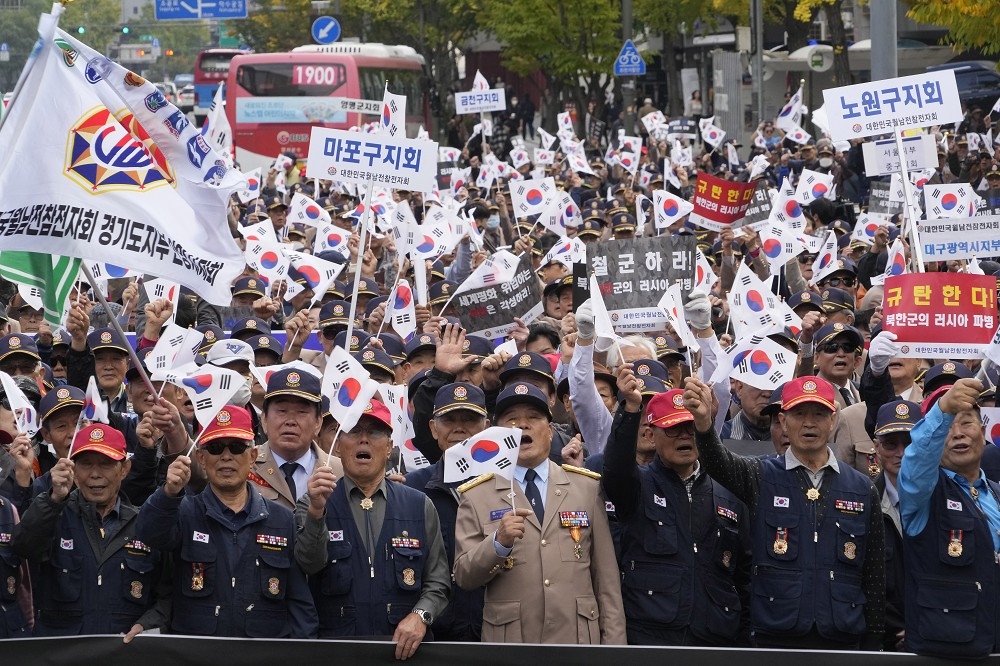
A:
x,y
289,469
848,398
533,495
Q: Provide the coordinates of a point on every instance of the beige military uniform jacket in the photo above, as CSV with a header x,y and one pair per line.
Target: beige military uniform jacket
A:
x,y
270,480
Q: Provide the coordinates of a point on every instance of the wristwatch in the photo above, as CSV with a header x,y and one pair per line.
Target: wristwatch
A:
x,y
424,616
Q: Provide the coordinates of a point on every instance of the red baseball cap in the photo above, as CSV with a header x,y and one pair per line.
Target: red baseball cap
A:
x,y
231,421
808,389
665,410
377,410
102,439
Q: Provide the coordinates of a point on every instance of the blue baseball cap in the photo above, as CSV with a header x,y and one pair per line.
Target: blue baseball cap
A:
x,y
460,395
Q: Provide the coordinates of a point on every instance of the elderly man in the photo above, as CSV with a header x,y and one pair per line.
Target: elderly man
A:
x,y
96,576
951,526
103,354
292,419
234,573
547,561
372,547
818,572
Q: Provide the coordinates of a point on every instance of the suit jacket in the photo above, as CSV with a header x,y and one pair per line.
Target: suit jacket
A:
x,y
548,595
270,480
851,442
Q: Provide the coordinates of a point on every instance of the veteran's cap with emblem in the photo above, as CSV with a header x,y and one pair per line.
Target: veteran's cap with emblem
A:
x,y
665,410
527,363
830,331
358,340
806,300
107,338
295,382
666,347
393,346
244,328
99,438
477,347
647,367
837,300
334,313
440,292
59,398
419,343
18,343
460,395
378,411
211,334
373,358
521,393
942,374
267,343
61,338
249,286
897,416
590,226
231,421
275,202
808,389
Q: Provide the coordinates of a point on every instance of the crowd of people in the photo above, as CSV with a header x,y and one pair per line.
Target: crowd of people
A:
x,y
873,523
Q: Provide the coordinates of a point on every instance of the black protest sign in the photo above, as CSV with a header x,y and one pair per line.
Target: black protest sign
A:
x,y
685,128
760,207
634,273
445,171
489,311
595,128
878,200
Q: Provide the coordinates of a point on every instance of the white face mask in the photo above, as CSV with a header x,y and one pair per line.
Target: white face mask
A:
x,y
493,222
826,162
243,394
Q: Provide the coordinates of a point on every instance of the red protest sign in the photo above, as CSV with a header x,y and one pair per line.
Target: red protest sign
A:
x,y
718,203
941,315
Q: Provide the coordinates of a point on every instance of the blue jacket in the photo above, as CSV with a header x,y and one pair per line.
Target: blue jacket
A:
x,y
234,573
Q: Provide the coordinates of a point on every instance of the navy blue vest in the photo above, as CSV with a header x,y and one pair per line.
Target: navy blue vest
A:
x,y
357,598
952,578
678,561
221,590
12,623
77,594
808,555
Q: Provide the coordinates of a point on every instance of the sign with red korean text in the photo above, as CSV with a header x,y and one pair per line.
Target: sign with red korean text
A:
x,y
720,204
941,315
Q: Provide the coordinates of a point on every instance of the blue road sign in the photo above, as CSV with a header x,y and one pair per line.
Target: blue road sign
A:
x,y
4,47
188,10
325,30
629,62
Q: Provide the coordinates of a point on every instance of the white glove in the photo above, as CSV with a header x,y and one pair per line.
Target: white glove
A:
x,y
698,311
585,320
882,350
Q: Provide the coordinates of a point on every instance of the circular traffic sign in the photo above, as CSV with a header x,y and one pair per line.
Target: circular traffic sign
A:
x,y
325,30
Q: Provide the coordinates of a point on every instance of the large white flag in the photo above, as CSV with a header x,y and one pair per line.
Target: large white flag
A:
x,y
402,311
668,208
766,367
217,130
25,414
498,269
826,260
493,450
530,197
306,211
790,116
895,263
813,185
176,346
349,387
393,119
119,173
209,387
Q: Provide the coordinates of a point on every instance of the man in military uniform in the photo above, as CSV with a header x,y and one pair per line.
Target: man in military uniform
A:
x,y
95,574
234,573
372,547
292,420
540,544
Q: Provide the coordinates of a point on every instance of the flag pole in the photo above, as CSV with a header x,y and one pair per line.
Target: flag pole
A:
x,y
329,454
916,252
357,268
118,327
388,304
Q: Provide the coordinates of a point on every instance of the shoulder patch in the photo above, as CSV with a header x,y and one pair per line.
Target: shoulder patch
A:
x,y
258,480
581,470
468,485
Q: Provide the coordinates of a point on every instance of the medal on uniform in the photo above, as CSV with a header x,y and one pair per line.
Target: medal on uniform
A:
x,y
812,494
367,504
575,520
850,550
974,492
508,562
11,585
873,466
781,541
197,576
955,544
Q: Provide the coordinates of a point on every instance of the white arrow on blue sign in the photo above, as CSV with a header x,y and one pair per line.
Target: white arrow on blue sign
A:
x,y
325,30
629,62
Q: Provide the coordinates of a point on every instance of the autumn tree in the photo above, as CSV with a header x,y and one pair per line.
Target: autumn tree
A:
x,y
972,24
807,10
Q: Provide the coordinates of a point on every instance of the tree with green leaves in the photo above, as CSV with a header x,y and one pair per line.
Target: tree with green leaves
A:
x,y
807,10
665,18
972,24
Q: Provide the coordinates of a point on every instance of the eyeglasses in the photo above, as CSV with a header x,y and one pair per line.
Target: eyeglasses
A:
x,y
369,433
57,360
330,332
839,282
834,347
216,447
18,367
807,258
686,428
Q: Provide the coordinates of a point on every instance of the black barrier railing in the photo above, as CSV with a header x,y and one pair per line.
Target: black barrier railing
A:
x,y
155,650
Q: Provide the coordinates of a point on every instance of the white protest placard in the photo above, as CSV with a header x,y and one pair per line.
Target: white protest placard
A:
x,y
480,101
881,107
960,238
882,157
402,164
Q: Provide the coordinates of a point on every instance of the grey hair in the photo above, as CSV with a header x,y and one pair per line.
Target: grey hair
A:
x,y
635,340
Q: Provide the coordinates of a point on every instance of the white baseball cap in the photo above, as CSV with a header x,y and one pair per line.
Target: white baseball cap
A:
x,y
224,352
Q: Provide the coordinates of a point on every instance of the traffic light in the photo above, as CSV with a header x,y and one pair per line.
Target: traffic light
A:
x,y
169,52
124,29
81,30
141,52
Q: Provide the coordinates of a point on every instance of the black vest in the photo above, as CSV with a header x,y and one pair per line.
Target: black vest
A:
x,y
952,578
679,558
360,596
12,622
808,555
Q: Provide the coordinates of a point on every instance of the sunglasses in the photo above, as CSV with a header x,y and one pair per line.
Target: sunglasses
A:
x,y
807,258
57,360
22,367
839,282
216,447
834,347
330,333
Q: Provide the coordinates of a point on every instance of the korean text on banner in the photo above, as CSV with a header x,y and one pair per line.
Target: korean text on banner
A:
x,y
881,107
941,315
351,157
480,101
720,204
960,238
882,157
489,311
